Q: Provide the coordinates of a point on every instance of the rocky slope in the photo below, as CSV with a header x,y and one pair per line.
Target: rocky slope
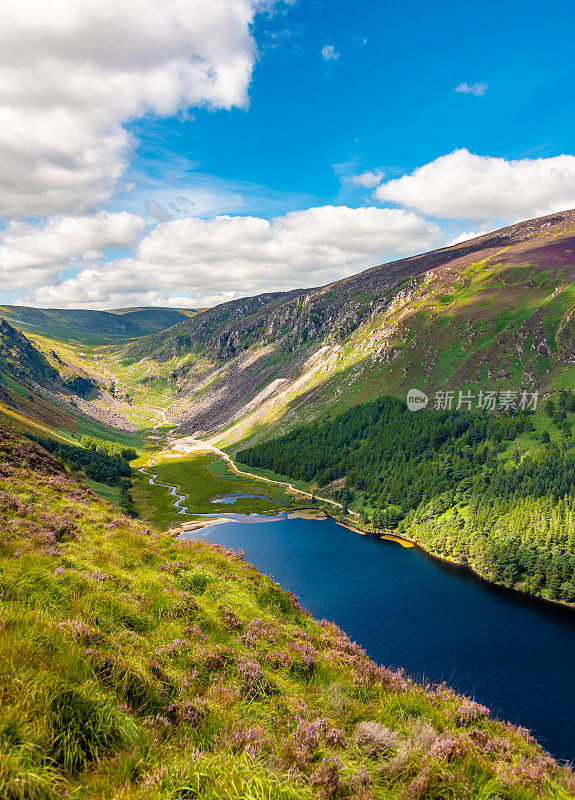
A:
x,y
495,312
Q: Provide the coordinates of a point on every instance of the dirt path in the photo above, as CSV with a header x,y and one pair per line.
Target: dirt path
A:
x,y
200,444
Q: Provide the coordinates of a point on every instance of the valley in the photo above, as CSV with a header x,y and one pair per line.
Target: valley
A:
x,y
139,446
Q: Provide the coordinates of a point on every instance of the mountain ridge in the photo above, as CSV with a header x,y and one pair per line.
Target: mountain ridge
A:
x,y
499,306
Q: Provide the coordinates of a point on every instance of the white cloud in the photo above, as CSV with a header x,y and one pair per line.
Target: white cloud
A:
x,y
368,179
33,253
245,255
466,236
463,185
329,53
477,89
73,72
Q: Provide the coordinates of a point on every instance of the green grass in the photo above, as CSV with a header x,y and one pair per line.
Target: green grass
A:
x,y
136,666
200,478
109,493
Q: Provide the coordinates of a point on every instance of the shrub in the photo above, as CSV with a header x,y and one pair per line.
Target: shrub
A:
x,y
374,738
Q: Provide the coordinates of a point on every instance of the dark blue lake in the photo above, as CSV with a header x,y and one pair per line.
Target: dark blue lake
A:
x,y
513,654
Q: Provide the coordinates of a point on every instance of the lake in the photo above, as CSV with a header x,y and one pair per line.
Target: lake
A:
x,y
513,654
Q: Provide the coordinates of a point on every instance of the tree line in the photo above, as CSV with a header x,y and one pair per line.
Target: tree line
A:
x,y
97,465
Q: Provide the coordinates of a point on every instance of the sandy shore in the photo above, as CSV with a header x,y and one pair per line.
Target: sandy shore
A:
x,y
305,514
197,524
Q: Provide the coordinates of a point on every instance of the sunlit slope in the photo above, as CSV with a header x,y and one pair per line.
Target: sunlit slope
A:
x,y
91,327
495,312
134,665
48,385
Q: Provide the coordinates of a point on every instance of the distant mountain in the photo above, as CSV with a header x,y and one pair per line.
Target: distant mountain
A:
x,y
48,387
494,312
21,361
92,327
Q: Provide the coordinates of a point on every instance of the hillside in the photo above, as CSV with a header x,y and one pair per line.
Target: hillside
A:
x,y
135,665
46,384
91,327
495,312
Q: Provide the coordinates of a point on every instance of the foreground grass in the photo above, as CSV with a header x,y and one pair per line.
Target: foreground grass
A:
x,y
136,666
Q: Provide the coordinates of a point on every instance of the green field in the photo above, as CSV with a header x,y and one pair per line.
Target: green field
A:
x,y
200,478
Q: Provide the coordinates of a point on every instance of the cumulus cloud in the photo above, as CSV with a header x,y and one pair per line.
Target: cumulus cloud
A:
x,y
462,185
368,179
33,253
329,53
245,255
73,73
477,89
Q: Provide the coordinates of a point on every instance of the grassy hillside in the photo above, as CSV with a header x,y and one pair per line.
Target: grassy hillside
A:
x,y
134,665
45,382
91,328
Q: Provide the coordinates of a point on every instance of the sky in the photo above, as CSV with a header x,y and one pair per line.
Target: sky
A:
x,y
188,152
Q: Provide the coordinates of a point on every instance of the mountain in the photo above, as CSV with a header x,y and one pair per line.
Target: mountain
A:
x,y
495,312
91,327
44,384
135,665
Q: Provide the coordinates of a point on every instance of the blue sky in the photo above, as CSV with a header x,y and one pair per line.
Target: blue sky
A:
x,y
388,103
333,89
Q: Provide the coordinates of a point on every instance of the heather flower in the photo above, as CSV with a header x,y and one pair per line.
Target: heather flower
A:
x,y
335,737
151,780
523,733
253,678
307,737
195,632
176,646
95,575
76,627
231,620
248,740
173,567
396,681
184,608
328,780
237,555
305,658
276,660
359,783
469,711
447,748
532,773
211,659
259,629
189,712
